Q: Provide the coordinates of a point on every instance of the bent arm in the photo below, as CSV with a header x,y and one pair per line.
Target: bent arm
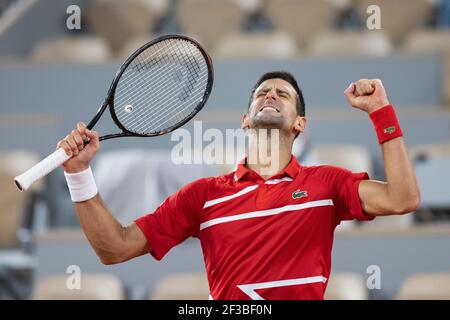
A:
x,y
112,242
400,194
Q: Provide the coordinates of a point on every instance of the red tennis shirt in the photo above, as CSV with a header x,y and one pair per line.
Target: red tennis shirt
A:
x,y
261,239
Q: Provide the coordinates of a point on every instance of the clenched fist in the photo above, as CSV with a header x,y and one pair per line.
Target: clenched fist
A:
x,y
367,94
74,146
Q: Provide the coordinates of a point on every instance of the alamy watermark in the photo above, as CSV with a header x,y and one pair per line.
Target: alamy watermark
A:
x,y
263,147
73,21
73,281
373,21
373,281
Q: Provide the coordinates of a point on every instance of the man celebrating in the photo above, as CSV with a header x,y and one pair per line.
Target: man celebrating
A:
x,y
266,230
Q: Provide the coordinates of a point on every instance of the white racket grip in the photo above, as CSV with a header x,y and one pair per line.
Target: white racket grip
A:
x,y
44,167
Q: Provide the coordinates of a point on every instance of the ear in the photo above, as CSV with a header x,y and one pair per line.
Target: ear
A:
x,y
300,124
245,121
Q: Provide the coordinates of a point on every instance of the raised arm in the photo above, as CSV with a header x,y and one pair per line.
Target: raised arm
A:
x,y
400,193
112,242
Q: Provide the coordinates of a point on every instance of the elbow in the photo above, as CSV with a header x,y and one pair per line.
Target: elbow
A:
x,y
407,206
107,261
112,253
110,259
415,204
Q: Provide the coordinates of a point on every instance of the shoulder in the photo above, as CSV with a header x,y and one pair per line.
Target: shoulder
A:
x,y
199,191
326,171
338,176
203,184
199,184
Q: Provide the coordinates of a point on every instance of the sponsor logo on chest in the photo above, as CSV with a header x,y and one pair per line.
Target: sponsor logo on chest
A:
x,y
297,194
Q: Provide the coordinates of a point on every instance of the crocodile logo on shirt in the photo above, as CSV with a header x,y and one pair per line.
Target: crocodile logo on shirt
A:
x,y
299,194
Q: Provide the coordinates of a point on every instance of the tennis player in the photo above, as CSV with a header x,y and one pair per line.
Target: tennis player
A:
x,y
264,236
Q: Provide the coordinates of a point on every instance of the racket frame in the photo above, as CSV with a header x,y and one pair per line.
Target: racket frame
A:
x,y
109,101
51,162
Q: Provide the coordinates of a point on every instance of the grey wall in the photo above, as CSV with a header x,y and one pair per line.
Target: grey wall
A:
x,y
45,19
398,256
411,81
40,104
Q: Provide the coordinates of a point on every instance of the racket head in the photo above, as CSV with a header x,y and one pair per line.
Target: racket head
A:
x,y
173,73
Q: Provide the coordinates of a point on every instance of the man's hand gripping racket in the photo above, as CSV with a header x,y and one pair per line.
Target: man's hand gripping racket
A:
x,y
159,88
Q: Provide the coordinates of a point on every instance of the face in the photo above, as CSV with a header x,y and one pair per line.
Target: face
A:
x,y
274,106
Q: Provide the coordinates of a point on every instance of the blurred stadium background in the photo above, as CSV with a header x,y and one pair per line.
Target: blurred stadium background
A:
x,y
51,77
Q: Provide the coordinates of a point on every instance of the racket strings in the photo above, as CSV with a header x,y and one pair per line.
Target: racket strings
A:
x,y
160,114
157,111
171,92
195,96
167,70
161,87
129,87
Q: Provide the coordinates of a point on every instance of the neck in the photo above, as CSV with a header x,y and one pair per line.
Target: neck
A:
x,y
270,151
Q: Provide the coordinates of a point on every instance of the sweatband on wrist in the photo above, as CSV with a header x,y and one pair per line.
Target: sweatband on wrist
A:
x,y
386,124
81,185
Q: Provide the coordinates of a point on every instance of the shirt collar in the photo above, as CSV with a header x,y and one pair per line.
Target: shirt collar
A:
x,y
291,169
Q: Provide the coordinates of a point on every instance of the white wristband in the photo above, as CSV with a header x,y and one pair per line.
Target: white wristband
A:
x,y
81,185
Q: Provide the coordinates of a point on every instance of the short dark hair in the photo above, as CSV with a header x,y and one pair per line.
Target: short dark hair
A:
x,y
288,77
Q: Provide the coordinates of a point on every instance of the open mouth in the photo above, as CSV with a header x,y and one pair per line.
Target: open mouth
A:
x,y
269,107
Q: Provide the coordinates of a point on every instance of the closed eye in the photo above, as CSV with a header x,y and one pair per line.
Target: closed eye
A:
x,y
283,94
261,93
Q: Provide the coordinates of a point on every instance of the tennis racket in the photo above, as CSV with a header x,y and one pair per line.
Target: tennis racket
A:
x,y
159,88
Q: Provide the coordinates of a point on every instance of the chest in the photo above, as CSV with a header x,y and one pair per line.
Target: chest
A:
x,y
285,206
279,217
265,196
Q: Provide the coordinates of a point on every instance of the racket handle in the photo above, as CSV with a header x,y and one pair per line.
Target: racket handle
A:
x,y
44,167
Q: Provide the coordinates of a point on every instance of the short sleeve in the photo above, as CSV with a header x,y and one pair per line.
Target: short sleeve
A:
x,y
345,184
175,220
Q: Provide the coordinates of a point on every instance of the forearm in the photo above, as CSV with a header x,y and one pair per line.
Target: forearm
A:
x,y
112,242
104,232
401,188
